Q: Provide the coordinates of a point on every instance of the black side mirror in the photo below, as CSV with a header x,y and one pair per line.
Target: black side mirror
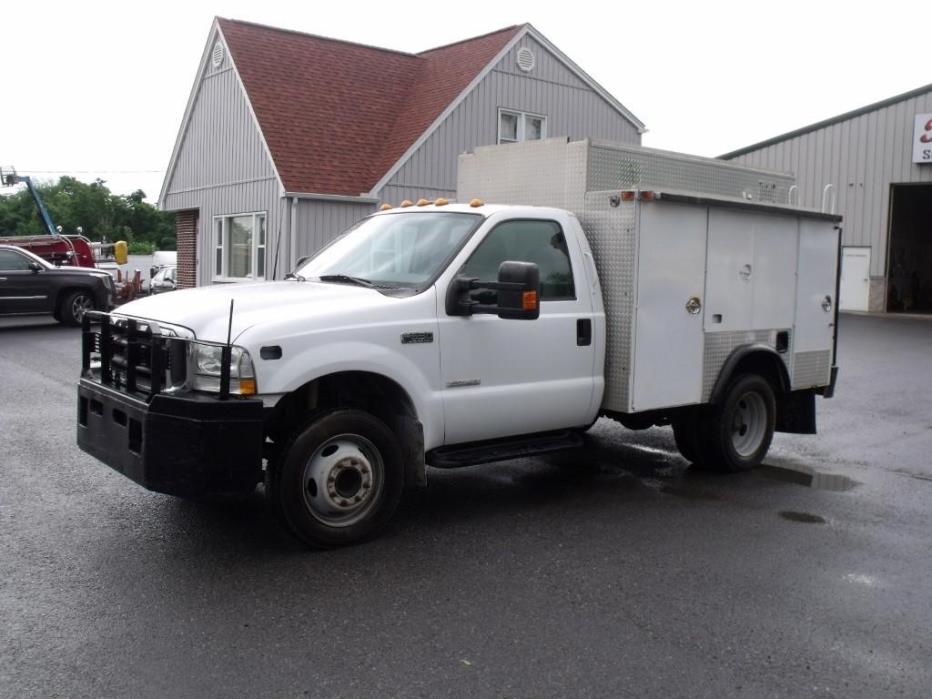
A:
x,y
518,289
153,271
35,266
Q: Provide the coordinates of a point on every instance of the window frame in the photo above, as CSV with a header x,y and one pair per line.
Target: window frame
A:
x,y
219,237
521,131
569,255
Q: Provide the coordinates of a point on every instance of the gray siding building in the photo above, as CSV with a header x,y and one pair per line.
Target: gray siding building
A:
x,y
878,161
289,138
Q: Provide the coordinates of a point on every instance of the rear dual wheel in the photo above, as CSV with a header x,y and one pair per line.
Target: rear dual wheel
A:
x,y
733,435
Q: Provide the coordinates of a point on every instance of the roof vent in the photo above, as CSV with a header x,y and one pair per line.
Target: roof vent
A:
x,y
526,60
216,56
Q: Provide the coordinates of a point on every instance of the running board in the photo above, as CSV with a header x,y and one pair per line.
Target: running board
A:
x,y
502,449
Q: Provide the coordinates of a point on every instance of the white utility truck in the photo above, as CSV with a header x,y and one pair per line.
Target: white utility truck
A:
x,y
652,288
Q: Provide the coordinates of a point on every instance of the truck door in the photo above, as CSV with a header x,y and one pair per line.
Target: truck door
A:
x,y
21,289
510,377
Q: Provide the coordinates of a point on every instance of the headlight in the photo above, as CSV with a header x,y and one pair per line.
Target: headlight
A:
x,y
207,368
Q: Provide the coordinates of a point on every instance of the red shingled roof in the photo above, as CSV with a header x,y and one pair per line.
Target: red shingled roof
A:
x,y
338,115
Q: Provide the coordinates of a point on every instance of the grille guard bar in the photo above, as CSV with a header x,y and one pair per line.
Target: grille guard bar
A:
x,y
147,349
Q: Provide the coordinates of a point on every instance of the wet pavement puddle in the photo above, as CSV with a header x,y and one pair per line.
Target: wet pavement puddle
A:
x,y
803,517
801,475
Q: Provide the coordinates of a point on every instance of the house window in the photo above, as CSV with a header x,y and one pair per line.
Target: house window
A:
x,y
239,246
520,126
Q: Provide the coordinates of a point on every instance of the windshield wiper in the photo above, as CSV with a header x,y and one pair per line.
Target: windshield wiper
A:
x,y
346,278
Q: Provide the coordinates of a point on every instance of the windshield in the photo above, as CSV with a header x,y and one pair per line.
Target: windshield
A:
x,y
407,249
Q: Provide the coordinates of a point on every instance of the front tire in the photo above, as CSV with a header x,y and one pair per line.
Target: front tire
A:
x,y
338,480
74,306
736,434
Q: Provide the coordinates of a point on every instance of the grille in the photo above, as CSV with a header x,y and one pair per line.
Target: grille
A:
x,y
128,356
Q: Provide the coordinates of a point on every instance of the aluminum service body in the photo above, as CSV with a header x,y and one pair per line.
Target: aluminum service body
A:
x,y
758,266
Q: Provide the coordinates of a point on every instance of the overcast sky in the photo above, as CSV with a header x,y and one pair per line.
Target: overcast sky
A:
x,y
99,89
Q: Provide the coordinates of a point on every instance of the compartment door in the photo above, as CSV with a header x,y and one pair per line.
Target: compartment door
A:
x,y
814,334
671,272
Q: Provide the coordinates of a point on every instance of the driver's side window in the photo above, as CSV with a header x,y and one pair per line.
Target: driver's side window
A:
x,y
540,242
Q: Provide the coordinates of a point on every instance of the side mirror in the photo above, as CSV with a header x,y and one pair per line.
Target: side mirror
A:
x,y
301,261
152,271
518,293
35,266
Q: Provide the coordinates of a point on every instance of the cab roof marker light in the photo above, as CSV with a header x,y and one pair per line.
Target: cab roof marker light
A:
x,y
441,201
385,207
475,203
423,202
406,203
639,195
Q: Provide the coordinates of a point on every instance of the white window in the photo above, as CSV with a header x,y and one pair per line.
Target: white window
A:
x,y
239,246
520,126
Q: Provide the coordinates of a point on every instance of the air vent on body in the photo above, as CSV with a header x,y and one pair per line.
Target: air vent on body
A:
x,y
526,59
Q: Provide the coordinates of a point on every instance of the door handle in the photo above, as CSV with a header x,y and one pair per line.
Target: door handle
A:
x,y
583,332
2,279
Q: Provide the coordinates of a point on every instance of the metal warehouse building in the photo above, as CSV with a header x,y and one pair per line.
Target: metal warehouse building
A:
x,y
878,161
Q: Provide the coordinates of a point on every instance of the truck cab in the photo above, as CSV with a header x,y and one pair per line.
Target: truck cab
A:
x,y
400,324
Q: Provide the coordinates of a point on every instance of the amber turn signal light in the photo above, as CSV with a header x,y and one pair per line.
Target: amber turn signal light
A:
x,y
529,300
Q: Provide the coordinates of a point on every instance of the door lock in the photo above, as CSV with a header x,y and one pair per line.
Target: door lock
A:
x,y
693,306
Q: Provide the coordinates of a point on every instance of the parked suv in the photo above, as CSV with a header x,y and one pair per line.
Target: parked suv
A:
x,y
29,284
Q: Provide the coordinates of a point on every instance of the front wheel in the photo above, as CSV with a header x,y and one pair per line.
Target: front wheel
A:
x,y
74,306
735,435
339,479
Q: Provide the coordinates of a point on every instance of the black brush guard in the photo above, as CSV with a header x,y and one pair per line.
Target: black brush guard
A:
x,y
135,415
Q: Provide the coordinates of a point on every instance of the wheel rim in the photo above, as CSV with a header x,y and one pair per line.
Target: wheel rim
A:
x,y
81,305
343,479
749,424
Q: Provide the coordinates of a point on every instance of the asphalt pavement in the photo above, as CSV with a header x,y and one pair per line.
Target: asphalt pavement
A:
x,y
613,572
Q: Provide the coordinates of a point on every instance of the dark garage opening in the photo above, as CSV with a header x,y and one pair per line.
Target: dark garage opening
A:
x,y
909,274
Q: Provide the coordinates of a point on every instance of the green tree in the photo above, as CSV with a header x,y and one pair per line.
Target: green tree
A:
x,y
92,207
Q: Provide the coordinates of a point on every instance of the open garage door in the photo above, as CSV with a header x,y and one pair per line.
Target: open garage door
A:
x,y
909,263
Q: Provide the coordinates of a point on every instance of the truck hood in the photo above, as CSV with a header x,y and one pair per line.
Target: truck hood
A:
x,y
206,310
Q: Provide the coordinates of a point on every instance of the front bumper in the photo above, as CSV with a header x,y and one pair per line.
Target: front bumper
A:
x,y
175,444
